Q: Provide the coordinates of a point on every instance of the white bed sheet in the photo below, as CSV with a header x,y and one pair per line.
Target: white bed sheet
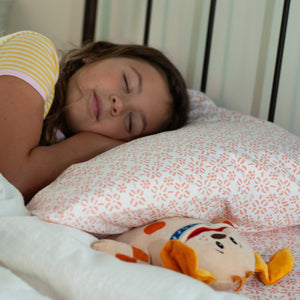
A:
x,y
13,287
40,260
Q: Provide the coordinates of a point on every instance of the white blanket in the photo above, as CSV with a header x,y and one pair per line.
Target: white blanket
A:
x,y
40,260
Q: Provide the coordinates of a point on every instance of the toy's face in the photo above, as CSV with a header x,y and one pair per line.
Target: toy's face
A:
x,y
222,252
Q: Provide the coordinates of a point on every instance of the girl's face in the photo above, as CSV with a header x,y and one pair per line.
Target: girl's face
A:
x,y
121,98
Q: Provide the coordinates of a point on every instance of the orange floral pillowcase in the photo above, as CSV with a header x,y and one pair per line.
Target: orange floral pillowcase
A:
x,y
222,164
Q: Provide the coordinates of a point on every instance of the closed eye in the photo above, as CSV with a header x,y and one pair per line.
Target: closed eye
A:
x,y
130,123
126,83
135,123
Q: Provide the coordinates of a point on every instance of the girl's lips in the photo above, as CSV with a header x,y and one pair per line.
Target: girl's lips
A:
x,y
97,106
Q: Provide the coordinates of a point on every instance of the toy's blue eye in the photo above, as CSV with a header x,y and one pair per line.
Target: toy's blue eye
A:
x,y
220,245
233,240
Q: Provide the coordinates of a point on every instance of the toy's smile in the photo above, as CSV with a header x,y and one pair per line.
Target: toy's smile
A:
x,y
203,229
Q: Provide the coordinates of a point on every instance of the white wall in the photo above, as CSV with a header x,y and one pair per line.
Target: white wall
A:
x,y
121,21
60,20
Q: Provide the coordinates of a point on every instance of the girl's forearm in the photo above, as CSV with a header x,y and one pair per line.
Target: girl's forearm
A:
x,y
44,164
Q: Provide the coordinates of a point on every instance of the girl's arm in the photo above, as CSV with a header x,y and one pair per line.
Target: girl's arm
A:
x,y
23,162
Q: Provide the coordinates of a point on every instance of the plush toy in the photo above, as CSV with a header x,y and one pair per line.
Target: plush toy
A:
x,y
214,253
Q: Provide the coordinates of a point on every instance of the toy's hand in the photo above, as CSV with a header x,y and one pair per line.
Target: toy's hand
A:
x,y
122,251
280,264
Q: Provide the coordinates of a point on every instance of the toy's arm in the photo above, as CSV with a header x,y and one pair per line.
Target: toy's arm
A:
x,y
122,251
280,264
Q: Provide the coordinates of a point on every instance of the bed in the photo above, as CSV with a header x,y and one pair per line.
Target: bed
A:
x,y
221,164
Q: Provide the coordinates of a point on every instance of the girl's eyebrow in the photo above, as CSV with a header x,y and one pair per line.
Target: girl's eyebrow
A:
x,y
140,78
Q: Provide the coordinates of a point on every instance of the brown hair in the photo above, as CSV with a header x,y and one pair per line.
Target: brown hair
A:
x,y
74,60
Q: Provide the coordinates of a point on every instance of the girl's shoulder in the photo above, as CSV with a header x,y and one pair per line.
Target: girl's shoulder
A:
x,y
32,57
19,35
28,44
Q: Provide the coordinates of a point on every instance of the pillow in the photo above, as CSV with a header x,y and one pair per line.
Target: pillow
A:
x,y
221,164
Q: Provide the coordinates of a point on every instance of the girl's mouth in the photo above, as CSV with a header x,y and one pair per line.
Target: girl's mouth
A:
x,y
97,106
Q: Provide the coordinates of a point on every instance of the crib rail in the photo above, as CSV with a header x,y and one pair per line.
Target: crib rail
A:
x,y
278,63
89,22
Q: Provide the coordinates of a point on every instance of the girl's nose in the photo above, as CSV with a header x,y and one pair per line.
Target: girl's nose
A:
x,y
116,105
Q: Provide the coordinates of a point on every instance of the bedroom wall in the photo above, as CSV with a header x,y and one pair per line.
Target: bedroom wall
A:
x,y
243,53
60,20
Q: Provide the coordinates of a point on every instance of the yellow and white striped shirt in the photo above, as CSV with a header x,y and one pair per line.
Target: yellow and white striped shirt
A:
x,y
32,57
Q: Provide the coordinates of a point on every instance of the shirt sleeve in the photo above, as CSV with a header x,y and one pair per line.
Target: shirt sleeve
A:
x,y
32,57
